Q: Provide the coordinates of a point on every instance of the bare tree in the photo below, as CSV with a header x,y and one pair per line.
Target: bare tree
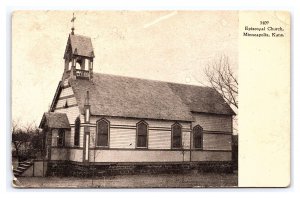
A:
x,y
221,77
19,139
27,140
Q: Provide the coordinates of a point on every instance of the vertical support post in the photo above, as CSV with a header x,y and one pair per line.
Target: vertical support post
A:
x,y
91,69
87,113
86,144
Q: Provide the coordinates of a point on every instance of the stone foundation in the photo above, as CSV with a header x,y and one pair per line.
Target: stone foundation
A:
x,y
61,168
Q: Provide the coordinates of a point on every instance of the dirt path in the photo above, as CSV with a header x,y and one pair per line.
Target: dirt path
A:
x,y
133,181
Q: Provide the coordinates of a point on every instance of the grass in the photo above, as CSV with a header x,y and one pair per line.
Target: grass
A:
x,y
133,181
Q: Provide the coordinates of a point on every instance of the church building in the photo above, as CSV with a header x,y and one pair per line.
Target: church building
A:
x,y
112,124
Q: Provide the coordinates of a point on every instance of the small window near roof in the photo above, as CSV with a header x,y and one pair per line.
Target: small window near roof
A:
x,y
142,134
198,137
176,136
102,132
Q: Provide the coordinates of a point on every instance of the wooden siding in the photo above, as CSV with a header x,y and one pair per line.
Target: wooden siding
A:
x,y
81,136
66,92
159,139
211,156
66,154
122,138
76,155
70,101
92,136
216,141
213,122
66,83
72,113
123,133
186,140
137,156
132,122
69,138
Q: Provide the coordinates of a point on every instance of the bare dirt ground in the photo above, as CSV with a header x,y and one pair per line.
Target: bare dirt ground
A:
x,y
133,181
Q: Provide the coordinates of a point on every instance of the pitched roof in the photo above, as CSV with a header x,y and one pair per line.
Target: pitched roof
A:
x,y
139,98
81,45
201,99
55,120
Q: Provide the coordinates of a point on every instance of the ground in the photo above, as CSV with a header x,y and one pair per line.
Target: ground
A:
x,y
133,181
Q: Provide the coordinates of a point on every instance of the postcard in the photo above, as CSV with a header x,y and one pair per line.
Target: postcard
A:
x,y
150,99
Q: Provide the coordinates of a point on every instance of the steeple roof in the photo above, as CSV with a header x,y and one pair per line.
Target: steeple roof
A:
x,y
81,45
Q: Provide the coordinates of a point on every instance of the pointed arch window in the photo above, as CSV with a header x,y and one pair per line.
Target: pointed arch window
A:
x,y
142,135
61,138
198,137
103,132
77,132
176,135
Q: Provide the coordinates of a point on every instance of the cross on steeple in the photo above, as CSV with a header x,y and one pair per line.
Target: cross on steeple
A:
x,y
73,20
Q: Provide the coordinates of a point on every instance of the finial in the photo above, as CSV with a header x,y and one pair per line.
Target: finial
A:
x,y
73,20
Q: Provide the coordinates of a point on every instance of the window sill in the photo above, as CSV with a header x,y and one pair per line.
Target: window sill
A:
x,y
141,148
102,147
198,149
178,149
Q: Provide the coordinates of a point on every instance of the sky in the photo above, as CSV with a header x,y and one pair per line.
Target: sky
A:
x,y
173,46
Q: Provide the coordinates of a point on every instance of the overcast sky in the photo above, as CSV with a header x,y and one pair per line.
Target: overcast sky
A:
x,y
171,46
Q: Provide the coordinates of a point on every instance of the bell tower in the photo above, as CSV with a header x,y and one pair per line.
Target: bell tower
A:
x,y
79,56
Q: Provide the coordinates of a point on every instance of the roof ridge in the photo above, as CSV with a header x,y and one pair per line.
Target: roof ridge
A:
x,y
118,95
80,35
176,83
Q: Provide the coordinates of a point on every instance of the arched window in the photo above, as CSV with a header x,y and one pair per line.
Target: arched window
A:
x,y
198,137
142,134
102,132
61,138
176,135
77,131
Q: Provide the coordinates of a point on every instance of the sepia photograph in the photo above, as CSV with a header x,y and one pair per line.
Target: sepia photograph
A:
x,y
125,99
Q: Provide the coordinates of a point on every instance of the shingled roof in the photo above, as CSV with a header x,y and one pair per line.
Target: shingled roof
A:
x,y
55,120
81,45
139,98
201,99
